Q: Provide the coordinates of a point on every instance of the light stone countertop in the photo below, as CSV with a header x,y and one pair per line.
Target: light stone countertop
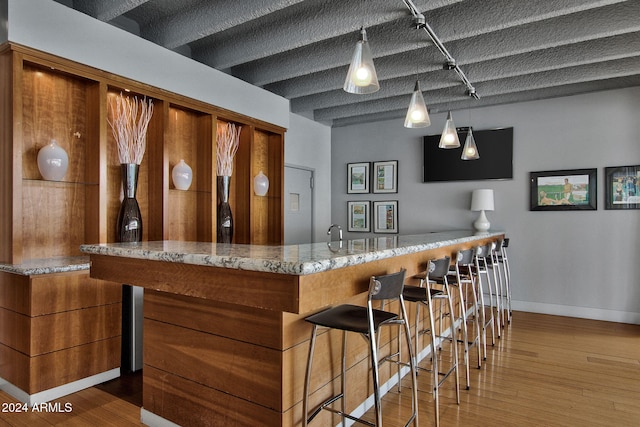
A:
x,y
48,266
299,259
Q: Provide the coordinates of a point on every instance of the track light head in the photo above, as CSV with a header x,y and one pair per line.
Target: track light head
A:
x,y
471,92
420,21
449,65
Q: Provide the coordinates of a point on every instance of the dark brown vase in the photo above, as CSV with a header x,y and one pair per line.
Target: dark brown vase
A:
x,y
224,215
129,218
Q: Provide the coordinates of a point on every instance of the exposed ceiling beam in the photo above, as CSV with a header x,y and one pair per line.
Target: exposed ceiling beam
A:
x,y
106,10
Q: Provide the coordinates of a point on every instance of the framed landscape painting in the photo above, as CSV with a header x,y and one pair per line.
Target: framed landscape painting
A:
x,y
563,190
359,216
357,178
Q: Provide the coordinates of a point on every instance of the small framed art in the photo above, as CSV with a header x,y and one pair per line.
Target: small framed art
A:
x,y
358,178
385,217
385,176
622,187
563,190
359,216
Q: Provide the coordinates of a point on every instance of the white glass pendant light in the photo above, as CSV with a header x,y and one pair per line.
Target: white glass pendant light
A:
x,y
417,114
449,138
361,77
470,150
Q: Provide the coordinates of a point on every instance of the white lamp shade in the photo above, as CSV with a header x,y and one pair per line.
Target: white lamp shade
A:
x,y
449,137
417,114
362,77
482,200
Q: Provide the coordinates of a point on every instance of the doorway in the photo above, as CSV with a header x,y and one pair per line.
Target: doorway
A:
x,y
298,205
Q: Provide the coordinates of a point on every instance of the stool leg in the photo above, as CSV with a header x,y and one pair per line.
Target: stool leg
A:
x,y
495,308
476,319
375,374
452,318
507,275
412,364
307,377
434,366
343,381
465,337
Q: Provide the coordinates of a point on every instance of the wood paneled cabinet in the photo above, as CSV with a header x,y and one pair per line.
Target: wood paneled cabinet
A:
x,y
43,97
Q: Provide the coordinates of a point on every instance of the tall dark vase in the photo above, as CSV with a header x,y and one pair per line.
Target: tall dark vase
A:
x,y
129,217
224,216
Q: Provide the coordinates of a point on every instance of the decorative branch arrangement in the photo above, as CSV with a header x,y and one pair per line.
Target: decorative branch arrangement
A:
x,y
130,120
227,146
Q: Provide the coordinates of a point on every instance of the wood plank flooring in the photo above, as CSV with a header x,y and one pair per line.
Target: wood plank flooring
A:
x,y
545,370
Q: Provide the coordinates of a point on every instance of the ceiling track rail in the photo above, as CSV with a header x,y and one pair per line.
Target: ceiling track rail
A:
x,y
450,62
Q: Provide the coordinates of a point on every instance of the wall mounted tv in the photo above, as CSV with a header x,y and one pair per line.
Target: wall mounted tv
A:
x,y
495,147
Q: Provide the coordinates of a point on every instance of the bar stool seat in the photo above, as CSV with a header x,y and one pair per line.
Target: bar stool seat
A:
x,y
366,321
352,318
419,294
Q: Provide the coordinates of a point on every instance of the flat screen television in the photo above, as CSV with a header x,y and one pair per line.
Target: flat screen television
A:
x,y
495,147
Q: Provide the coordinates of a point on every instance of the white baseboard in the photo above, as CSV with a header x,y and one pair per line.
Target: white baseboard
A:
x,y
57,392
573,311
153,420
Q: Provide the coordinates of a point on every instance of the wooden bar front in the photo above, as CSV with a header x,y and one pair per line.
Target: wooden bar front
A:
x,y
229,347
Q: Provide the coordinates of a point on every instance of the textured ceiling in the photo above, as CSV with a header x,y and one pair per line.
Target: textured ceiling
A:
x,y
510,50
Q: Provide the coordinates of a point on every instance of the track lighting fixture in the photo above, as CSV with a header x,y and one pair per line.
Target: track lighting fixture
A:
x,y
361,77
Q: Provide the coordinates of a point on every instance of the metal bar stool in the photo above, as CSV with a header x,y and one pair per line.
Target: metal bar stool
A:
x,y
425,295
365,321
480,270
463,280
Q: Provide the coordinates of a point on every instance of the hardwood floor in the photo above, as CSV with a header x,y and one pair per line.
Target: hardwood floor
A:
x,y
545,370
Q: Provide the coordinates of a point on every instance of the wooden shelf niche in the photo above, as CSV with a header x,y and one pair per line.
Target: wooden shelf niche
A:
x,y
57,216
150,175
257,220
189,214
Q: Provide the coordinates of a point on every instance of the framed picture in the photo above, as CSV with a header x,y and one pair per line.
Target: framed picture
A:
x,y
385,217
359,216
385,176
622,187
563,190
358,177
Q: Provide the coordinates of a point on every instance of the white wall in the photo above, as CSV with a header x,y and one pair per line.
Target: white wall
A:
x,y
584,263
308,144
51,27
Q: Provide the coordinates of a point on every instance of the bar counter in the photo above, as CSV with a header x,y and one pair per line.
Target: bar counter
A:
x,y
225,342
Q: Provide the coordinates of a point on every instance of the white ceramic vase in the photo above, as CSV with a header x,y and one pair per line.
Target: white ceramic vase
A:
x,y
182,175
53,161
260,184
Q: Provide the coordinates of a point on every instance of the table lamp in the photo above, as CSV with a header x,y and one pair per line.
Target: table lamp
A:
x,y
482,200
